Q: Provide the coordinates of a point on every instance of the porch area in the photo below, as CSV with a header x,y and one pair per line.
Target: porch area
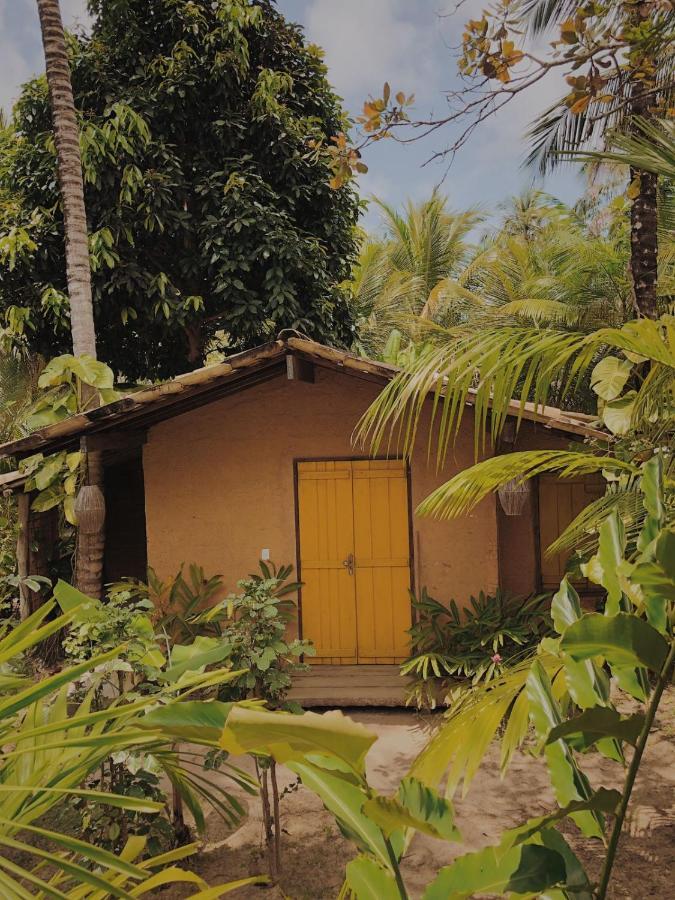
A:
x,y
345,686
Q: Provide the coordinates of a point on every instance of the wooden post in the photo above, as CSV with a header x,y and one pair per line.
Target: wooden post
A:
x,y
22,551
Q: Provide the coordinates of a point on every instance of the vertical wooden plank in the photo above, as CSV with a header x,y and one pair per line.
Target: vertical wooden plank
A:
x,y
560,502
382,555
22,551
326,539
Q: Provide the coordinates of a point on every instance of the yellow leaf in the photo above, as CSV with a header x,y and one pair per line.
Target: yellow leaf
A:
x,y
580,105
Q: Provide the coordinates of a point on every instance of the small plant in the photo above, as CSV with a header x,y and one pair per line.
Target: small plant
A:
x,y
476,644
258,619
127,774
257,622
178,603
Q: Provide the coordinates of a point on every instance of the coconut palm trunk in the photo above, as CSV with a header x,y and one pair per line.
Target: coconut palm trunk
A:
x,y
643,215
89,554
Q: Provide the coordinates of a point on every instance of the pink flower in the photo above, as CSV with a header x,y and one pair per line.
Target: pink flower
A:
x,y
496,658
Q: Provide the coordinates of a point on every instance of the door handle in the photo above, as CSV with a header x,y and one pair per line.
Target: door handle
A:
x,y
349,563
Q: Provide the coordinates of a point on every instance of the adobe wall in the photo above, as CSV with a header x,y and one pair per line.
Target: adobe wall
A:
x,y
219,484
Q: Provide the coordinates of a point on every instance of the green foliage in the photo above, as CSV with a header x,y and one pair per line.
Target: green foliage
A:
x,y
120,621
110,827
51,744
145,665
328,752
179,603
256,632
211,219
477,643
397,274
68,385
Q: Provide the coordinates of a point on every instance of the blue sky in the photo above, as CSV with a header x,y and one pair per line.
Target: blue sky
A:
x,y
368,42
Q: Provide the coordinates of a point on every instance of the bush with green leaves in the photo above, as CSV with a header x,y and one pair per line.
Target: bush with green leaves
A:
x,y
51,744
450,646
179,602
256,631
145,664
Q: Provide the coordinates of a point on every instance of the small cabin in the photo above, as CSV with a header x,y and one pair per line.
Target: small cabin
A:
x,y
254,458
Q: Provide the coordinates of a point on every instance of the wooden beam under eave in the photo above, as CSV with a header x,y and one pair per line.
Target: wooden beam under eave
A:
x,y
121,439
298,369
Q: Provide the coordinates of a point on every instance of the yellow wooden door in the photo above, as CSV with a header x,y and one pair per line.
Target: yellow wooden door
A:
x,y
355,560
561,501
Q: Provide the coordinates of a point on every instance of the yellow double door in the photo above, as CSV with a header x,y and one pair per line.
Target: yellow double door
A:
x,y
355,560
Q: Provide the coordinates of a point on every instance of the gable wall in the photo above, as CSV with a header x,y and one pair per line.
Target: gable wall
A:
x,y
219,484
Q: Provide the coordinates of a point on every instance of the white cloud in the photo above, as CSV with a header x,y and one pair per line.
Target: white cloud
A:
x,y
368,42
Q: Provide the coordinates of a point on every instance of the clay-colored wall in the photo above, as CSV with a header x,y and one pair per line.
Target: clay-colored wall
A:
x,y
219,484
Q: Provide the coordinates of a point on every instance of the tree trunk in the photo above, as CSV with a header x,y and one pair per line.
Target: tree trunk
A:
x,y
644,243
644,208
71,183
89,555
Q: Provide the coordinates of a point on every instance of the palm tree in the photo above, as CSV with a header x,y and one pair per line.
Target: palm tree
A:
x,y
543,266
90,546
505,360
636,92
397,273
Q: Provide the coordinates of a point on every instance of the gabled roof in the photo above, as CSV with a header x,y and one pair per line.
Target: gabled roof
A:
x,y
144,408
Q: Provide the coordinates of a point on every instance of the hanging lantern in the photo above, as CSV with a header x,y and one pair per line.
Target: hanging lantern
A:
x,y
90,508
513,496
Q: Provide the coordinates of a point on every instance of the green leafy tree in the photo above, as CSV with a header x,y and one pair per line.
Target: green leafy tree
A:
x,y
210,215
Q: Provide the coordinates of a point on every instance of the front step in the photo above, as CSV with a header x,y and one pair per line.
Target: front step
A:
x,y
341,686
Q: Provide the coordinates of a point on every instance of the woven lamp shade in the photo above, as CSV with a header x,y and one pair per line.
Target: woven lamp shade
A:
x,y
513,497
90,508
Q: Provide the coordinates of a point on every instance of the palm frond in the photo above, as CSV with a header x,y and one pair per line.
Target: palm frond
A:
x,y
650,149
456,751
540,15
582,532
485,370
466,489
489,369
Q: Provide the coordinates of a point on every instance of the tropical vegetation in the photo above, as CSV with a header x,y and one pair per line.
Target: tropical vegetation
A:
x,y
450,645
187,190
52,745
211,222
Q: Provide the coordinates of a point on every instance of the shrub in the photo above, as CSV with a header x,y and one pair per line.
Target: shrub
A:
x,y
449,645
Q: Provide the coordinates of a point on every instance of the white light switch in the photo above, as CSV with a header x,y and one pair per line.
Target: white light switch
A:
x,y
265,554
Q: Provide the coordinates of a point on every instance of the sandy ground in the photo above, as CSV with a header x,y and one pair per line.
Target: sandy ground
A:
x,y
314,852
